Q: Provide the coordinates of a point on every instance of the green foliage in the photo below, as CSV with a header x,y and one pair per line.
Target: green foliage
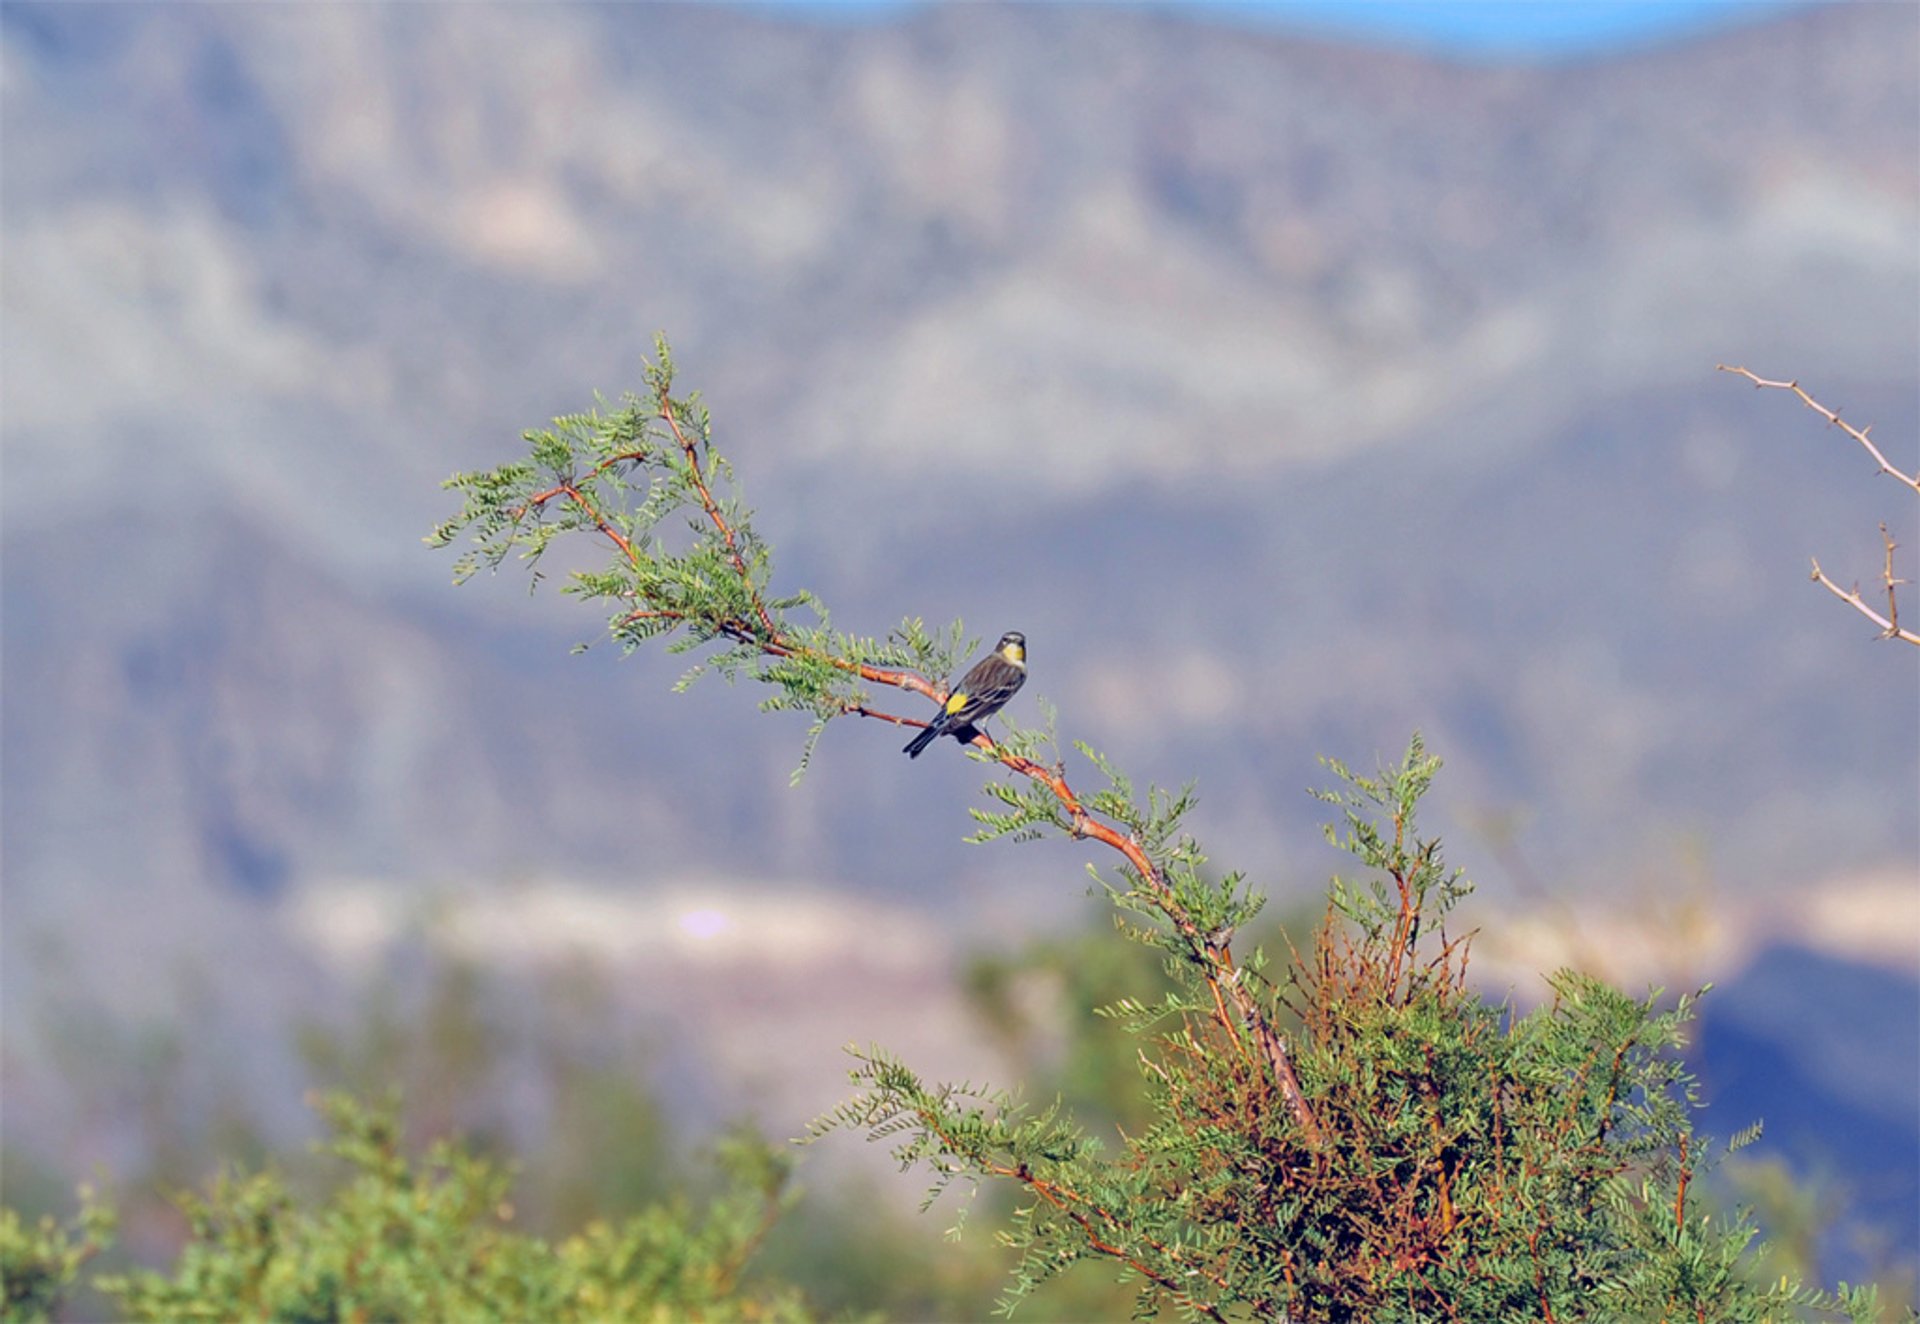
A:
x,y
1471,1163
39,1262
1411,1152
687,564
467,1051
1044,1005
477,1055
431,1238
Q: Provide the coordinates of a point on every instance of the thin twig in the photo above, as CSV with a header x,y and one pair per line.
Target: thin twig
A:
x,y
672,421
1832,416
1223,978
541,498
1680,1196
1890,627
1886,574
614,535
1083,1211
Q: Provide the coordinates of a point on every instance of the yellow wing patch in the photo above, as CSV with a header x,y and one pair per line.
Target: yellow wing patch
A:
x,y
956,701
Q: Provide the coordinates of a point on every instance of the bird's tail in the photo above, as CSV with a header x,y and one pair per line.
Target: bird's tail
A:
x,y
921,741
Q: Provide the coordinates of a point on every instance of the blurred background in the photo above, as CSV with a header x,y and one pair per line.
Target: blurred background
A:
x,y
1293,376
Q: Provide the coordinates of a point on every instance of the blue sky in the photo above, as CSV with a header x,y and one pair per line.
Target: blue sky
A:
x,y
1484,29
1515,28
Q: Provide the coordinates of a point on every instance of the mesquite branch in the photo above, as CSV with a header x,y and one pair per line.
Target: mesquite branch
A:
x,y
758,627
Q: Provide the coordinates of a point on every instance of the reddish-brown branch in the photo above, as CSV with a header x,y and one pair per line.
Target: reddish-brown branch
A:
x,y
1223,978
617,538
541,498
719,521
1539,1276
861,710
1680,1196
570,489
1076,1207
1055,1196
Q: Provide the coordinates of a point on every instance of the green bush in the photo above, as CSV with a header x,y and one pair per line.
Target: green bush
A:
x,y
431,1239
39,1263
1409,1151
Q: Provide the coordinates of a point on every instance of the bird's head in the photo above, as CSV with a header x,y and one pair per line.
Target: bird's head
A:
x,y
1013,647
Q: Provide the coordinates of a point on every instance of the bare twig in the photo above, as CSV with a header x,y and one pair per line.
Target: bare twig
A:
x,y
1832,416
1886,575
1890,627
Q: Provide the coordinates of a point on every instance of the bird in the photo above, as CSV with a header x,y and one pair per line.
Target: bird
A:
x,y
981,693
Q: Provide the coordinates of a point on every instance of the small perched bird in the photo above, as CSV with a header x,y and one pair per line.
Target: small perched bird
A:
x,y
981,693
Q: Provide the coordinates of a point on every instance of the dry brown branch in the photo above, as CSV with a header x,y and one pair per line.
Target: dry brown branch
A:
x,y
1890,627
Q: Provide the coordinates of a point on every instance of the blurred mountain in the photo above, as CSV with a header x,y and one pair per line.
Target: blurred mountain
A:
x,y
1288,394
1826,1054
